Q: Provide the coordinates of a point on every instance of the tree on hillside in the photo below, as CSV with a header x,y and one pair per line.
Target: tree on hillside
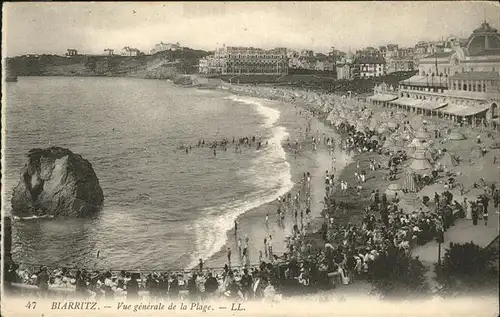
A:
x,y
396,275
467,268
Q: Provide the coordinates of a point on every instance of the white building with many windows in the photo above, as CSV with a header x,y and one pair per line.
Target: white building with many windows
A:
x,y
233,60
161,47
369,66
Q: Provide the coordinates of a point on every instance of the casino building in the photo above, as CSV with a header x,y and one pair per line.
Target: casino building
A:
x,y
462,85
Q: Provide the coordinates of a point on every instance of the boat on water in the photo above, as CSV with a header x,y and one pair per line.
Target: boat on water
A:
x,y
33,217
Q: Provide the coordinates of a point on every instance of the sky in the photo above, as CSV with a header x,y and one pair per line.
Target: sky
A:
x,y
51,28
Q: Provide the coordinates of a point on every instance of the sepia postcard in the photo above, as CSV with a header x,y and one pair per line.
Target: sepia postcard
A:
x,y
250,158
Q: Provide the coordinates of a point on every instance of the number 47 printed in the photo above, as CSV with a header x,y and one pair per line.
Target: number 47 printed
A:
x,y
31,305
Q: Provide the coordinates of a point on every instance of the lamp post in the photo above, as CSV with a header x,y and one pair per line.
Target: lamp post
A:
x,y
440,240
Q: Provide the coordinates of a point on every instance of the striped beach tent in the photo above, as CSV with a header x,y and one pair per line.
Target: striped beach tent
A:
x,y
410,182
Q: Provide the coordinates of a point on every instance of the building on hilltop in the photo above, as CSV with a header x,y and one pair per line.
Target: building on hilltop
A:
x,y
369,66
462,84
72,52
231,60
130,51
161,47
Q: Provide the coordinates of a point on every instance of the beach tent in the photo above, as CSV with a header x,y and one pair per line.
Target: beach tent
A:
x,y
415,143
410,182
420,165
421,135
393,189
456,135
420,162
448,160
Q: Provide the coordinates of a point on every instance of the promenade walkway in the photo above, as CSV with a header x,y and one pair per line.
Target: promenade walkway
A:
x,y
462,232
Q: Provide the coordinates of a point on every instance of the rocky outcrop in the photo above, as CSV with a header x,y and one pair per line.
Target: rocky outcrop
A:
x,y
55,181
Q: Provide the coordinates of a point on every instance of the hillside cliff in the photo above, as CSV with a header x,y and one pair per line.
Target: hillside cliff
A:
x,y
163,65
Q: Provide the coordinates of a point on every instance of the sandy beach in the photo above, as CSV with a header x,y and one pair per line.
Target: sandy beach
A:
x,y
473,166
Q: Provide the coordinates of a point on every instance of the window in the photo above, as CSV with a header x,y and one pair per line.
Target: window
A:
x,y
472,69
474,87
454,86
465,87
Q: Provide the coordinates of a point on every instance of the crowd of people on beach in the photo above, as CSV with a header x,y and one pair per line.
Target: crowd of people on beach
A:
x,y
347,252
223,144
197,284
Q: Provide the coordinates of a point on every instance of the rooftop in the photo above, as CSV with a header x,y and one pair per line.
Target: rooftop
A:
x,y
370,60
483,41
426,81
439,55
476,76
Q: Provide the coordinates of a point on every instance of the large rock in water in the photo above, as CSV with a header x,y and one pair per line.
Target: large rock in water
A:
x,y
55,181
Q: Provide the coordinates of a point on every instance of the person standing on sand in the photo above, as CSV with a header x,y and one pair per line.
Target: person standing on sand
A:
x,y
239,246
235,227
42,281
485,216
229,256
475,214
265,247
270,246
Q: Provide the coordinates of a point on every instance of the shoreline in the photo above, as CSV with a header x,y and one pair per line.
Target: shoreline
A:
x,y
315,162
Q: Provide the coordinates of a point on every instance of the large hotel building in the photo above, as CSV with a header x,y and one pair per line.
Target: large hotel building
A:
x,y
462,85
230,60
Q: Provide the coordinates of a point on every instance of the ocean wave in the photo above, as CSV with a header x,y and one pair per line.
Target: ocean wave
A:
x,y
270,115
269,172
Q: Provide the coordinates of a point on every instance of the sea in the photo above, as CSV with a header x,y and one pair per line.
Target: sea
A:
x,y
164,209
